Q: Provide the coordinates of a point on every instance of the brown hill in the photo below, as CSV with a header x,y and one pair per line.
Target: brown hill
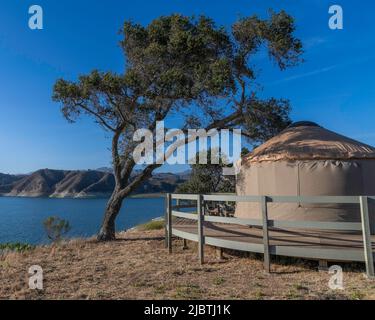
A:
x,y
39,184
7,181
78,184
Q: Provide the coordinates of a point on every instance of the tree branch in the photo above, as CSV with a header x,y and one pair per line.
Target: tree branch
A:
x,y
146,173
95,114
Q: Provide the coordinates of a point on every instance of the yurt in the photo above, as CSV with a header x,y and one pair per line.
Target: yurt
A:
x,y
308,160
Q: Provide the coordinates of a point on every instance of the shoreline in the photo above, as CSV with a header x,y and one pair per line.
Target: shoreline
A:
x,y
146,226
136,196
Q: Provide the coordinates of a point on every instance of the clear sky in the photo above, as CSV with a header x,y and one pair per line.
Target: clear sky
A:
x,y
334,87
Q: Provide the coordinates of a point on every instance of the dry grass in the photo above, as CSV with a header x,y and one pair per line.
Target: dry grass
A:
x,y
138,267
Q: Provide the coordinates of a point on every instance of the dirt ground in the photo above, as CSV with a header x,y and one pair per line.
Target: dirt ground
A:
x,y
137,266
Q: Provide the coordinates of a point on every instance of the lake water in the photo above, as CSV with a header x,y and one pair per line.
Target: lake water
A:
x,y
21,219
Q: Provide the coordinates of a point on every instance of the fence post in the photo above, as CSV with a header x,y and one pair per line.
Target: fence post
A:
x,y
367,245
267,263
169,220
184,245
200,213
166,222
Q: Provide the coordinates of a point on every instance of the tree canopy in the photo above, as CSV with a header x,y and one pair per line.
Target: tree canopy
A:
x,y
186,66
207,178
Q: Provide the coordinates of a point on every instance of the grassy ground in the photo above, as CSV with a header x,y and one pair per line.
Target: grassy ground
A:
x,y
137,266
152,225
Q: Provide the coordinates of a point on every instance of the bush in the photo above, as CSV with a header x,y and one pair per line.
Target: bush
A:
x,y
56,228
17,247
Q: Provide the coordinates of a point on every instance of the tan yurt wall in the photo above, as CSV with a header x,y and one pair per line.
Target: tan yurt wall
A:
x,y
287,165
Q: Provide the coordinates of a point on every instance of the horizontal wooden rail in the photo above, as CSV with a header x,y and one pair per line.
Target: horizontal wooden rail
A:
x,y
314,200
286,199
242,222
231,198
193,197
182,206
185,235
339,226
319,253
342,226
234,245
184,215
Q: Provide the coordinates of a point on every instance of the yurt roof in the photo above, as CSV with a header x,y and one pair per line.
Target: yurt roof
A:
x,y
309,141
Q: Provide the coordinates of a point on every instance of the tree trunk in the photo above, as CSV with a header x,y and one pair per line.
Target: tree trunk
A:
x,y
108,230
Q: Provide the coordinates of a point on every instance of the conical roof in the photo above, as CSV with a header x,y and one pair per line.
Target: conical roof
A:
x,y
309,141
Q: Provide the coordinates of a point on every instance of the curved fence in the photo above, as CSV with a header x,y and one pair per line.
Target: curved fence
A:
x,y
363,254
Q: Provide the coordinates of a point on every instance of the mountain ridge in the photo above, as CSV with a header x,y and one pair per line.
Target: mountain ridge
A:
x,y
79,184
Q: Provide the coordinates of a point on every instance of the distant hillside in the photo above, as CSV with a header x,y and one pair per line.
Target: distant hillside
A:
x,y
7,181
78,184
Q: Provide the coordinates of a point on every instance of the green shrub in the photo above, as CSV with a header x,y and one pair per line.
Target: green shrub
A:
x,y
17,247
219,281
356,295
56,228
152,225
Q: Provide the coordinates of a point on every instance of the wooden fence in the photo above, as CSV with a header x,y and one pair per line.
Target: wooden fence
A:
x,y
365,255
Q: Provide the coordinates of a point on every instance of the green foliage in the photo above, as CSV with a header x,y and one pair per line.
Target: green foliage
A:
x,y
152,225
56,228
178,56
207,178
356,295
177,60
17,247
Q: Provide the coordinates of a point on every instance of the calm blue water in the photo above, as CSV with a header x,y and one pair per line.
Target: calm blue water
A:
x,y
21,219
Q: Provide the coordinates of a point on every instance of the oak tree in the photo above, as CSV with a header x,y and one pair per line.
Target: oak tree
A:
x,y
186,66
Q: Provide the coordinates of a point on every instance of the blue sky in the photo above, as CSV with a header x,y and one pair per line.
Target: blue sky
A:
x,y
334,86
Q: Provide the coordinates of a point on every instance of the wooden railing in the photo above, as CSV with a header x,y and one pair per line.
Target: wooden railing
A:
x,y
364,255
